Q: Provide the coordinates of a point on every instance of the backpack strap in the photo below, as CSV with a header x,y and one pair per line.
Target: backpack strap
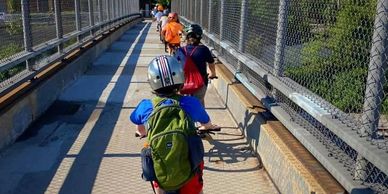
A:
x,y
191,54
157,101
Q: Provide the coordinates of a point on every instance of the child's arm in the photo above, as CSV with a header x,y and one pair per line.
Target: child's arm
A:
x,y
140,116
212,68
197,112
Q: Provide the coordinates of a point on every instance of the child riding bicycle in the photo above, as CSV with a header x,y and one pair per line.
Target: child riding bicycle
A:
x,y
201,56
172,33
163,120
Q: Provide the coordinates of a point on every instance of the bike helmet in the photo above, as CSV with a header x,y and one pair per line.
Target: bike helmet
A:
x,y
165,72
194,31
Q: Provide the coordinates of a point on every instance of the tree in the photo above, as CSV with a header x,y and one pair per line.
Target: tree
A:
x,y
335,61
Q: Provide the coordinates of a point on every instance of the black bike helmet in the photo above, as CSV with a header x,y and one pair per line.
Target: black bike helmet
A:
x,y
194,31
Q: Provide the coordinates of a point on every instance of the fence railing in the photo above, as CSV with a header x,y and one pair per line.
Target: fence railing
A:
x,y
34,35
319,66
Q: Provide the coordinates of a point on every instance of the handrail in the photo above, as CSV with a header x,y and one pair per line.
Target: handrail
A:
x,y
39,49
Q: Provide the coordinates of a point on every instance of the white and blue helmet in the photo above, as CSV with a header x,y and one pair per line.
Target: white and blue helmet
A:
x,y
165,71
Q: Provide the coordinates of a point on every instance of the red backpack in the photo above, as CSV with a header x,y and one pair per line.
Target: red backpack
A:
x,y
193,78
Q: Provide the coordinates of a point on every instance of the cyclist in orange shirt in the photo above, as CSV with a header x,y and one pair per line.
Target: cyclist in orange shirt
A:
x,y
172,33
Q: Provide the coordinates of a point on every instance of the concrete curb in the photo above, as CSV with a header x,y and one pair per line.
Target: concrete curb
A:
x,y
292,168
29,106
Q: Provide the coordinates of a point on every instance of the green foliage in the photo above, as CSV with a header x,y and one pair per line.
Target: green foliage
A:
x,y
384,106
347,90
14,27
11,72
9,50
298,22
335,60
352,34
13,6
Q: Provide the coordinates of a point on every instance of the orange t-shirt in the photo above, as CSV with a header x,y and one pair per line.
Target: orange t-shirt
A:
x,y
172,30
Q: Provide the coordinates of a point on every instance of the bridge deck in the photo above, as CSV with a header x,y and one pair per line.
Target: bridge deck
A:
x,y
85,142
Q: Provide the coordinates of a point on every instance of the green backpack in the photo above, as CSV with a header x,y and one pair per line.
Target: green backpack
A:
x,y
173,140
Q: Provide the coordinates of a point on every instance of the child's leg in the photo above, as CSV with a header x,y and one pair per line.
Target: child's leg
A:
x,y
200,95
195,185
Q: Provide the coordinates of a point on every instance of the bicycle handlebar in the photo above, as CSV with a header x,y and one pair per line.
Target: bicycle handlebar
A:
x,y
200,132
213,77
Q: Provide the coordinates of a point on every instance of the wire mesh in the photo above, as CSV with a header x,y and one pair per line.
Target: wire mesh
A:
x,y
231,24
215,17
105,10
229,57
197,12
328,51
255,79
42,21
84,13
96,11
334,54
68,16
260,29
191,9
11,31
10,76
205,14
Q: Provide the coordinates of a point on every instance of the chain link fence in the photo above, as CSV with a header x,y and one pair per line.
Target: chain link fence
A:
x,y
323,64
35,33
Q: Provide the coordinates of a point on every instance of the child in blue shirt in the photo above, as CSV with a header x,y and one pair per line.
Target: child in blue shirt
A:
x,y
166,77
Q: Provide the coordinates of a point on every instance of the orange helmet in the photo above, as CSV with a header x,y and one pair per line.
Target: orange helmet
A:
x,y
173,16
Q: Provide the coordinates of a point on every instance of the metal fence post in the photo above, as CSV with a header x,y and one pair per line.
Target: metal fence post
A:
x,y
280,38
201,13
91,15
280,41
374,92
100,13
195,11
120,8
77,8
242,37
114,10
183,9
378,63
58,23
222,20
209,23
126,7
108,10
27,36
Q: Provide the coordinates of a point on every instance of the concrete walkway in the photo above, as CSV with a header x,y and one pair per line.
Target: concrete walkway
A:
x,y
85,143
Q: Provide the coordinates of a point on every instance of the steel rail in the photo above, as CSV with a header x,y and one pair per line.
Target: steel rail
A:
x,y
41,48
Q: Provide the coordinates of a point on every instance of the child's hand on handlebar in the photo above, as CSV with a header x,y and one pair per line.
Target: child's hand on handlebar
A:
x,y
212,76
138,134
